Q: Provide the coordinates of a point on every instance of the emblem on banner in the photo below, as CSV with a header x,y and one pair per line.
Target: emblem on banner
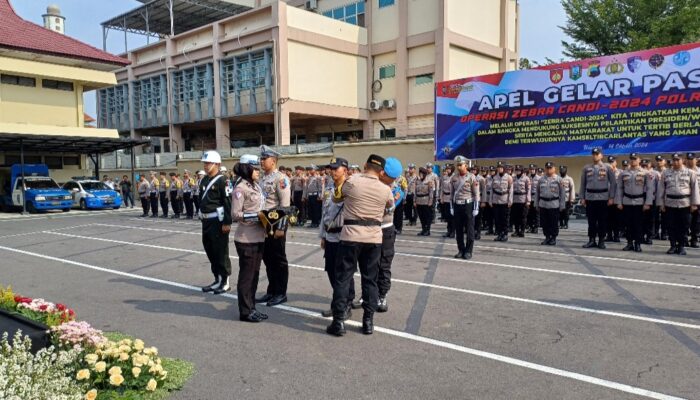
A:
x,y
656,61
443,90
447,150
575,72
681,58
594,69
634,63
614,68
556,75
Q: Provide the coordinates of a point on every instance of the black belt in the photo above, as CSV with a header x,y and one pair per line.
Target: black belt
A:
x,y
678,196
334,230
634,196
422,195
596,190
519,193
549,198
362,222
498,193
448,193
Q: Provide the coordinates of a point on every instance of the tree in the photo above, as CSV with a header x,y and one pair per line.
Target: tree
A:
x,y
526,63
604,27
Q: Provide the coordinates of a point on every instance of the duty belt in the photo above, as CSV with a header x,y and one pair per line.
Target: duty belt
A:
x,y
549,198
313,194
447,193
596,190
422,195
678,196
498,193
362,222
334,230
208,215
519,193
634,196
463,202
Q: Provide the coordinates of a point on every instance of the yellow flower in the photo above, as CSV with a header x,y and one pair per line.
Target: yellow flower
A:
x,y
152,384
163,375
123,356
115,371
83,374
100,366
91,395
151,351
156,369
126,342
124,349
116,379
91,359
136,371
138,344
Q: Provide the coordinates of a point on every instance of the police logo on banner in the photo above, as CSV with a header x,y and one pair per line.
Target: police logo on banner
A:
x,y
656,61
575,72
681,58
594,69
556,75
634,63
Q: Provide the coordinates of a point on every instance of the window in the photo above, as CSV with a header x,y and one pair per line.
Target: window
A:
x,y
386,3
387,71
17,80
424,79
53,162
353,13
388,133
58,85
71,160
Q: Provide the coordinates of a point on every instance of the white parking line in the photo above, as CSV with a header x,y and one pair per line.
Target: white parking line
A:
x,y
416,338
72,214
446,288
43,230
510,266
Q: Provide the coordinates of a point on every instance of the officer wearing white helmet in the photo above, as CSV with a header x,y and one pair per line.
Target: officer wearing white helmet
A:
x,y
215,213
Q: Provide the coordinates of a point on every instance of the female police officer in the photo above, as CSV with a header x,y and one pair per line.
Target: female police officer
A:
x,y
249,238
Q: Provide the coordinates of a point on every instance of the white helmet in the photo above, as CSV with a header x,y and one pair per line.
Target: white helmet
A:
x,y
223,169
211,156
251,159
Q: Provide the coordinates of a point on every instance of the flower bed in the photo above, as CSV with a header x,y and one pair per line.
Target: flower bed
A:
x,y
83,362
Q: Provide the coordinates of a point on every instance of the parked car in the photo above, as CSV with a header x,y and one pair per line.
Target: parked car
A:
x,y
92,194
41,192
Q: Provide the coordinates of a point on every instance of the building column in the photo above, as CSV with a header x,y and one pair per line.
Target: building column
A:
x,y
402,71
221,123
281,60
505,17
367,126
223,132
284,129
131,77
442,44
177,144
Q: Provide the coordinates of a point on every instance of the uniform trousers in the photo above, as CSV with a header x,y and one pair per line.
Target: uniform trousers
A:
x,y
549,218
476,225
464,226
398,217
634,222
187,199
144,203
447,216
660,222
164,202
175,202
330,257
614,221
694,226
649,222
276,266
154,204
385,260
564,215
350,255
597,215
488,217
425,216
249,258
678,224
518,216
533,217
409,210
195,199
314,210
297,199
216,246
501,216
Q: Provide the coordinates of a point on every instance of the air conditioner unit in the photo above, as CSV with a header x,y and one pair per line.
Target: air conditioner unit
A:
x,y
375,105
312,5
389,104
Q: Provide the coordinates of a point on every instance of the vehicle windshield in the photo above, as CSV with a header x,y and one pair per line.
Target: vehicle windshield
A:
x,y
38,184
94,186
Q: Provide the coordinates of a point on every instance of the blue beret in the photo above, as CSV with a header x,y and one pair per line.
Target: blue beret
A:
x,y
393,167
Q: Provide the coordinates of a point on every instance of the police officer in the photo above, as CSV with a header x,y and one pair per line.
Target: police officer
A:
x,y
613,233
533,216
163,193
424,200
478,219
550,200
277,193
188,188
366,199
153,193
486,210
175,194
597,193
216,222
313,197
298,182
432,176
446,201
501,201
650,214
678,195
196,197
249,239
633,196
521,201
389,176
466,194
410,195
567,182
691,163
142,189
399,184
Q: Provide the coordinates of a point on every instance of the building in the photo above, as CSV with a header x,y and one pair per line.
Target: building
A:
x,y
247,72
43,75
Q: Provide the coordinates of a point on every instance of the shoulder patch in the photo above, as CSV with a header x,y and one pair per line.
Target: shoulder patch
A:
x,y
284,183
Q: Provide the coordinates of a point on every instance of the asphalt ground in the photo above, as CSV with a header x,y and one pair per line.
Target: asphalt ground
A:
x,y
518,321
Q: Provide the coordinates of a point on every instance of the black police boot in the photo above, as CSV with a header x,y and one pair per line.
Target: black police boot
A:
x,y
356,304
629,247
637,247
545,241
264,299
616,238
367,323
460,254
477,236
276,300
516,233
212,287
673,249
427,233
452,235
552,241
327,313
504,237
681,250
497,238
383,306
522,232
591,243
336,328
608,238
467,255
223,286
448,234
255,316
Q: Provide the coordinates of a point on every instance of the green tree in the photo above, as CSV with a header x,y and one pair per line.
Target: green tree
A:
x,y
604,27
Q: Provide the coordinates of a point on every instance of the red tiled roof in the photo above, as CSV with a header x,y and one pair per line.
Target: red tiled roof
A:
x,y
16,33
88,118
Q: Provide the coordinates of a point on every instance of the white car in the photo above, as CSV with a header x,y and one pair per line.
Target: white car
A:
x,y
93,194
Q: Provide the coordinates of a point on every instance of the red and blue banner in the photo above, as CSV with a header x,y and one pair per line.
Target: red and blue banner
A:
x,y
646,101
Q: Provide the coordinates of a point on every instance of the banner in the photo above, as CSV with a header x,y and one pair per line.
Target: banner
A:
x,y
646,101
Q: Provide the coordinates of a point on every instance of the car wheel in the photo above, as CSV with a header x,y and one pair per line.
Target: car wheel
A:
x,y
83,205
66,209
30,207
116,208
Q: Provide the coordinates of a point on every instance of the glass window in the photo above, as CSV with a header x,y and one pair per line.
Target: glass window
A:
x,y
351,9
338,13
58,85
424,79
386,3
361,7
389,133
17,80
352,20
387,71
53,162
328,14
71,160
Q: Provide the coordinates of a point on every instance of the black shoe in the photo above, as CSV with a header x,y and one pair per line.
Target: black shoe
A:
x,y
497,238
671,250
277,300
477,237
356,304
336,328
446,235
427,233
421,233
255,316
504,238
452,235
467,256
398,231
648,242
515,234
383,306
521,234
459,255
154,216
327,313
629,247
212,287
535,231
601,245
264,299
637,248
545,241
681,251
591,243
223,287
367,323
144,215
552,241
608,238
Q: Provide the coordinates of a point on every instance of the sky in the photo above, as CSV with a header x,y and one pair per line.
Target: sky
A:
x,y
540,36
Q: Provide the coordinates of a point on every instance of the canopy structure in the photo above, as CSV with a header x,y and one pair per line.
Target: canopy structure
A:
x,y
153,18
66,144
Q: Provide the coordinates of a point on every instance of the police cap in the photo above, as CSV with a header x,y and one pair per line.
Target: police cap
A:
x,y
549,164
677,156
533,166
625,163
500,164
337,162
267,152
596,150
690,156
634,156
646,161
518,167
461,160
376,160
659,158
611,158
